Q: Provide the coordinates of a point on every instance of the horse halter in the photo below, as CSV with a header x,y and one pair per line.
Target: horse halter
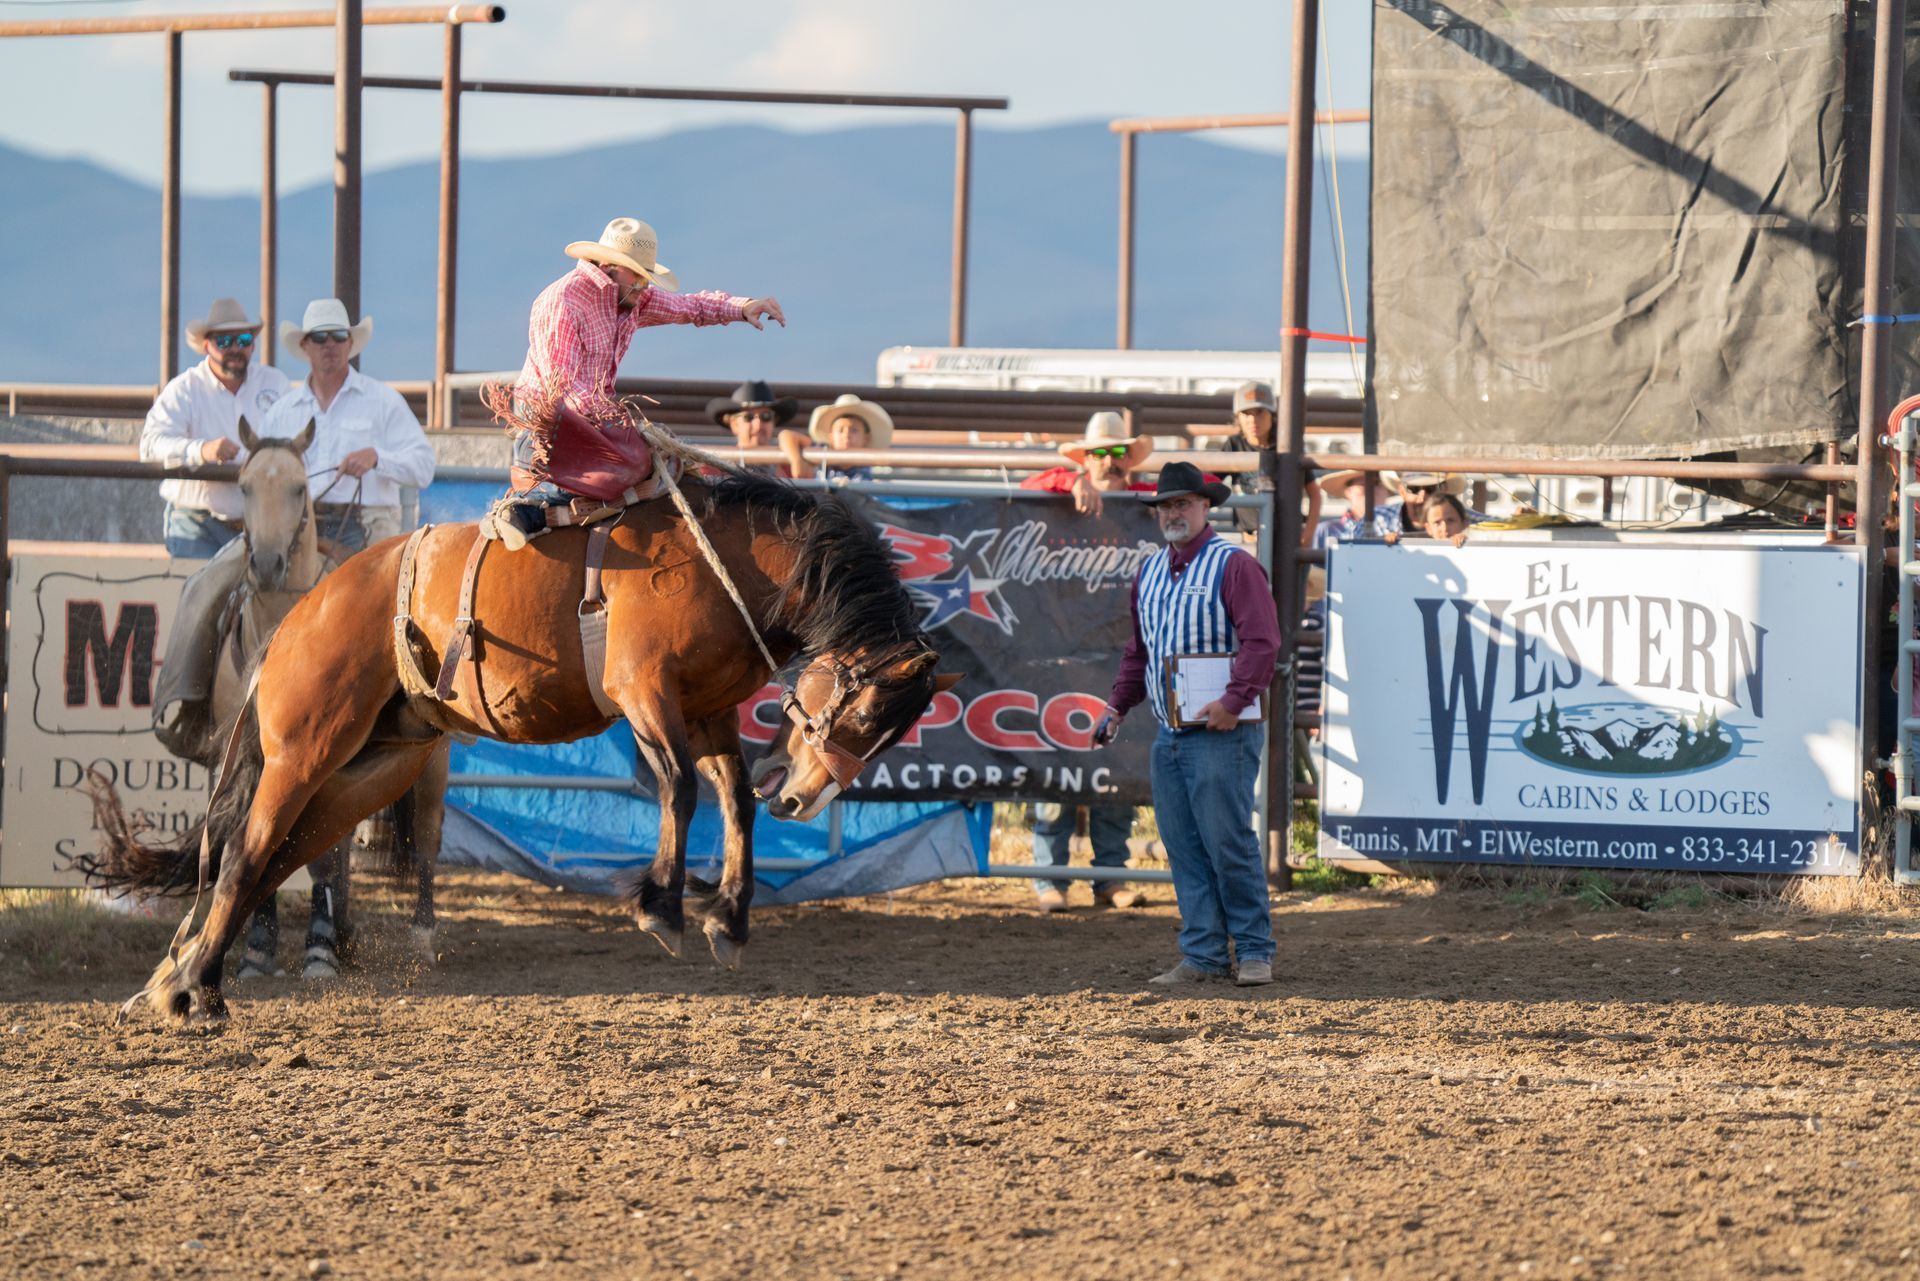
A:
x,y
816,728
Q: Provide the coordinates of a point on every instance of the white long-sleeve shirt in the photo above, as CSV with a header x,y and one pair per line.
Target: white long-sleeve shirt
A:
x,y
195,409
366,413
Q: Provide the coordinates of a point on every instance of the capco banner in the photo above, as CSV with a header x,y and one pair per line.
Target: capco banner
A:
x,y
1029,601
1610,706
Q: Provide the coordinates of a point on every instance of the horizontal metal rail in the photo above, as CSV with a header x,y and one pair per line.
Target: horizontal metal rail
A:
x,y
542,88
1496,466
413,16
1258,120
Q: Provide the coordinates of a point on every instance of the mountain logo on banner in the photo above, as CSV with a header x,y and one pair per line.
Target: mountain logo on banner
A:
x,y
1626,738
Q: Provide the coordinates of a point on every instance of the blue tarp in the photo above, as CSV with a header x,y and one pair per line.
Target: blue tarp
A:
x,y
587,840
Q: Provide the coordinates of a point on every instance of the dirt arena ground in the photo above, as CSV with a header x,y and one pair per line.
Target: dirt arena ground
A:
x,y
946,1085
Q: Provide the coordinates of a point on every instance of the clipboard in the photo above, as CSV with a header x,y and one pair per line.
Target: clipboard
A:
x,y
1194,680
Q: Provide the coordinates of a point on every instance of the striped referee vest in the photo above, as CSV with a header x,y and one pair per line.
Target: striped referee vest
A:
x,y
1186,615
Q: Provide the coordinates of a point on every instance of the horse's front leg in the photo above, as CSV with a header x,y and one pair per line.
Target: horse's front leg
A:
x,y
661,737
419,819
723,908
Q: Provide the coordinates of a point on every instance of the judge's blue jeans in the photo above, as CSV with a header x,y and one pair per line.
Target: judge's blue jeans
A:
x,y
1203,799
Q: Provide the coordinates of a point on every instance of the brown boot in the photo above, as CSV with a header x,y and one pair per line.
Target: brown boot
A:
x,y
1118,896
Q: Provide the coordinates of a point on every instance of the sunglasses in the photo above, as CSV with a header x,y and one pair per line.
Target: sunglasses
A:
x,y
226,342
1108,451
758,415
329,335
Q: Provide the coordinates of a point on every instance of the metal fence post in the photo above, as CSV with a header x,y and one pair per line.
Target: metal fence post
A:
x,y
346,157
170,214
962,196
269,215
1123,330
440,410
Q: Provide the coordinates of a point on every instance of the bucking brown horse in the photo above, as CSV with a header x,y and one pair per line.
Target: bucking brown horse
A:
x,y
331,732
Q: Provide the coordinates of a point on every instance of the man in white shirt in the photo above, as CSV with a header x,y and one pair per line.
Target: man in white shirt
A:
x,y
195,422
367,443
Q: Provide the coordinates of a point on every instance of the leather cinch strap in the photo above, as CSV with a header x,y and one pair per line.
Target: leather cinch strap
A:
x,y
412,679
593,621
461,643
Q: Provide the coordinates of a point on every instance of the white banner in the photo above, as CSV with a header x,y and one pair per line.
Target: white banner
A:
x,y
1680,707
85,635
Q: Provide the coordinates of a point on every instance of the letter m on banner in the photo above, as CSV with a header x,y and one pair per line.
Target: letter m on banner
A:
x,y
1458,688
126,654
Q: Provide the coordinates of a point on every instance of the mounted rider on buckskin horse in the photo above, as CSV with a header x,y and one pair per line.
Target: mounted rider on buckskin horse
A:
x,y
563,402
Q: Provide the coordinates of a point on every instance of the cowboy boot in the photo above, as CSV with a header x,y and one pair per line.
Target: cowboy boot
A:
x,y
514,523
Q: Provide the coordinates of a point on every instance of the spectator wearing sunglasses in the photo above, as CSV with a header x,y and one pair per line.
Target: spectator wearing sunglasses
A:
x,y
1407,514
754,415
1103,461
195,422
367,445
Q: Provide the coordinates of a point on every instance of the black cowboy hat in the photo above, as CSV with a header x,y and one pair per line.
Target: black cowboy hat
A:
x,y
751,395
1177,480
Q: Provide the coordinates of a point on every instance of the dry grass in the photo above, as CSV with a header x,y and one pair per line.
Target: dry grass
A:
x,y
61,931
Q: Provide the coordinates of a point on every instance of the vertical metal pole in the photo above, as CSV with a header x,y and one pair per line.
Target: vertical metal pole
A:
x,y
269,215
1606,498
1284,465
170,214
346,156
440,411
1833,492
6,614
962,193
1870,485
1123,334
1903,671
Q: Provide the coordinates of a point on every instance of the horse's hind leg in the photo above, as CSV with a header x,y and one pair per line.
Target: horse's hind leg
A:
x,y
261,958
419,818
289,826
723,907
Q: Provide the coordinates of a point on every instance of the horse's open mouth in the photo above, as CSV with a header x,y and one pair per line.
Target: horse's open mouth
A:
x,y
769,786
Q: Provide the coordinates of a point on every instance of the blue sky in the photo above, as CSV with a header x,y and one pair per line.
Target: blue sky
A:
x,y
98,97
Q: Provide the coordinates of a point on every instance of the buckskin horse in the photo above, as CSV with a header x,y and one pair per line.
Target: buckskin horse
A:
x,y
283,558
700,609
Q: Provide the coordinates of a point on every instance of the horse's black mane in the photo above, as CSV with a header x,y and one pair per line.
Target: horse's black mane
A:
x,y
844,594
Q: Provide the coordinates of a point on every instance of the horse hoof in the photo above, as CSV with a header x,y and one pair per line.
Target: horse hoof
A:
x,y
256,965
727,952
425,942
670,936
321,965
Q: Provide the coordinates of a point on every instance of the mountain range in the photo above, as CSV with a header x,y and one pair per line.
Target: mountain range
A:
x,y
849,229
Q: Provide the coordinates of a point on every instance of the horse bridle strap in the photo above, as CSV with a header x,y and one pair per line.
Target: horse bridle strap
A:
x,y
816,728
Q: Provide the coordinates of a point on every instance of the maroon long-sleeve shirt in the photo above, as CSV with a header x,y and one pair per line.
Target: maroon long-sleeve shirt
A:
x,y
1247,594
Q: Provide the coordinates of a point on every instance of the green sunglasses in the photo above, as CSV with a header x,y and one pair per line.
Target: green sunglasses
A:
x,y
1108,451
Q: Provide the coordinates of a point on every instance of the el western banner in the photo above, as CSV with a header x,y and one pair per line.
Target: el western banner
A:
x,y
1653,706
1029,601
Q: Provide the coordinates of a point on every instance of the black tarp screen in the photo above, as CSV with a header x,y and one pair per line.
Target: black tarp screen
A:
x,y
1610,230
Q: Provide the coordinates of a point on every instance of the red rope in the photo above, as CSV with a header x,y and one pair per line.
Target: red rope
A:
x,y
1315,333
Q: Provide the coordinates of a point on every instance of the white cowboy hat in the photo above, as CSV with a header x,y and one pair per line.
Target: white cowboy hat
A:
x,y
1335,486
879,422
325,313
226,316
1107,428
1449,483
629,243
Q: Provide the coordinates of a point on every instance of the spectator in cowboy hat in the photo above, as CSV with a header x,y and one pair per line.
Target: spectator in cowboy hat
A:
x,y
1101,461
1352,486
581,327
195,422
754,414
848,423
1201,594
1407,513
367,444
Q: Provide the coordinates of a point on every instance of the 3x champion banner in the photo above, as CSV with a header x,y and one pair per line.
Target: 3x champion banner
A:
x,y
1029,601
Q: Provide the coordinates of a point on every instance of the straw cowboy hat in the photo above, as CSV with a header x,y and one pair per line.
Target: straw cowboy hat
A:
x,y
629,243
325,313
226,316
1449,483
1106,429
879,422
1335,486
753,394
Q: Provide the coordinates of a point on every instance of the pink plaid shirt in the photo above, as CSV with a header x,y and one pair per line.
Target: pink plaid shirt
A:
x,y
578,334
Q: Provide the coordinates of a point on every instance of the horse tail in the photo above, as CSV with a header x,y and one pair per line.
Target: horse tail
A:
x,y
126,862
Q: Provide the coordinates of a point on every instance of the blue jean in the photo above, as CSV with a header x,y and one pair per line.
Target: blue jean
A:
x,y
1203,798
342,528
193,534
1108,827
546,493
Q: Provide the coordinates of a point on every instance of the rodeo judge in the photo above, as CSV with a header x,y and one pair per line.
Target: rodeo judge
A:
x,y
1201,596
